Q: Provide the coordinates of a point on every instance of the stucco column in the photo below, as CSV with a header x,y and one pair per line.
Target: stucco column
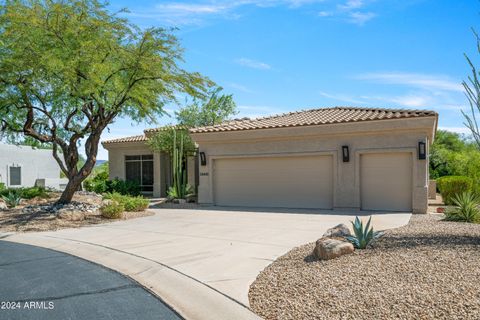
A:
x,y
157,177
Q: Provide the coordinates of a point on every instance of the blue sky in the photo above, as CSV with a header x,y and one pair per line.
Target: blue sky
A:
x,y
284,55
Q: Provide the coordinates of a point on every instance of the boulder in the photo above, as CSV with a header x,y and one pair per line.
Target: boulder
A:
x,y
71,215
339,231
326,248
3,205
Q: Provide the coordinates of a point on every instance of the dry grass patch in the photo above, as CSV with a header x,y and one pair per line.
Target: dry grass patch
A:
x,y
429,269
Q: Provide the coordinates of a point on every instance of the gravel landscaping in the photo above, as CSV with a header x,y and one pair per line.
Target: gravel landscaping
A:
x,y
40,214
429,269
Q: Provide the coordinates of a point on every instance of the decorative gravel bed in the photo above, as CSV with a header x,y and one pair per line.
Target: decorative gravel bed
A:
x,y
429,269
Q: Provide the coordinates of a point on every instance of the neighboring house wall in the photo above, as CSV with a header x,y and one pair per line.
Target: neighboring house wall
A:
x,y
31,164
384,136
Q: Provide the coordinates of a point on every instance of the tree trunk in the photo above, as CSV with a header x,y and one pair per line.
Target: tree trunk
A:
x,y
67,194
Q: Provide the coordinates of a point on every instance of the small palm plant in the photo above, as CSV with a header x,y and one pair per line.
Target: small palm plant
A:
x,y
465,208
12,199
363,236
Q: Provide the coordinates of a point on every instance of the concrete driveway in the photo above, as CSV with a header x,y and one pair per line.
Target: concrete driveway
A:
x,y
200,261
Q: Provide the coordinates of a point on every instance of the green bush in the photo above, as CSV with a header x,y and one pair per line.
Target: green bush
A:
x,y
138,203
2,186
450,186
113,210
102,185
465,208
26,193
30,193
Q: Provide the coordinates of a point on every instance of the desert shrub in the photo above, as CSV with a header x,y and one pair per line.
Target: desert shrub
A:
x,y
465,208
450,186
26,193
30,193
112,210
138,203
363,235
124,187
12,199
103,185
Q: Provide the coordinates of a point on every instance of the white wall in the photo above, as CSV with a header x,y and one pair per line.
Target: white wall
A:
x,y
35,164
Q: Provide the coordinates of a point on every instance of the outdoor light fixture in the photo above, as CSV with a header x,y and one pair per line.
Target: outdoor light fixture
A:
x,y
345,154
203,159
422,150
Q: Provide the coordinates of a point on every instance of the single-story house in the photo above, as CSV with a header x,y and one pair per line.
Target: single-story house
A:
x,y
328,158
24,166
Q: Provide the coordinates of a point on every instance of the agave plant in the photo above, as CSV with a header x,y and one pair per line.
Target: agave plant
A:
x,y
363,235
465,208
12,199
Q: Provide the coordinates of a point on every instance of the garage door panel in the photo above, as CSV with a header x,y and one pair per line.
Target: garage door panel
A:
x,y
295,182
386,181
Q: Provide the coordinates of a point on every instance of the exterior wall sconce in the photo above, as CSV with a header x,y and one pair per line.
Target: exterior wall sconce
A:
x,y
422,150
345,154
203,159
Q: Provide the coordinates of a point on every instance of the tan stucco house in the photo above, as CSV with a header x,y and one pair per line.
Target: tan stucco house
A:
x,y
329,158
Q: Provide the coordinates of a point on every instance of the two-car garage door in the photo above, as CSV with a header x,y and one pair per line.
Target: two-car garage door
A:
x,y
277,181
307,181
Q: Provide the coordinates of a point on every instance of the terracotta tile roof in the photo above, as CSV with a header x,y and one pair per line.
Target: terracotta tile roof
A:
x,y
179,127
139,138
316,117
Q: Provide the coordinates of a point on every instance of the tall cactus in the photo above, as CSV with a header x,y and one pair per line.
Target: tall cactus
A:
x,y
180,189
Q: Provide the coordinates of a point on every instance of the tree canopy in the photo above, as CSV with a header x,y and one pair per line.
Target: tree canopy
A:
x,y
68,69
207,112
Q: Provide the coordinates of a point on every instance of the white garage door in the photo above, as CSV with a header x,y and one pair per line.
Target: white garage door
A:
x,y
288,182
386,181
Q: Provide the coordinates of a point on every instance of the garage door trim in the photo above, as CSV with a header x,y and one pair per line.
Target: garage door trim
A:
x,y
333,154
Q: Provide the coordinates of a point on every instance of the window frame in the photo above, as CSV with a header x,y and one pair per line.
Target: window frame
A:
x,y
141,158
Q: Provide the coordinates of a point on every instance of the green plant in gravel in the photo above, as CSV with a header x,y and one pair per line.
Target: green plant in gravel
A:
x,y
112,210
363,235
12,199
450,186
129,203
26,193
465,208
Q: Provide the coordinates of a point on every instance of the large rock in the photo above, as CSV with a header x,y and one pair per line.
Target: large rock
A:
x,y
71,215
327,248
339,231
3,205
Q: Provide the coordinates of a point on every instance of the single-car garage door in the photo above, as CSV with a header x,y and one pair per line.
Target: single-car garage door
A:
x,y
288,182
386,181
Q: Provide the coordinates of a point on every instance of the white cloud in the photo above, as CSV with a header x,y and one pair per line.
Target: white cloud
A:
x,y
253,64
239,87
197,12
461,130
341,97
360,18
325,14
424,81
351,5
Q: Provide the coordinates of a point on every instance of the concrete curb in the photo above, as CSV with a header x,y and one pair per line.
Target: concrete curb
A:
x,y
189,297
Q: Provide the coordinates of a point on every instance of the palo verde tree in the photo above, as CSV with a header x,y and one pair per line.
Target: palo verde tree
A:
x,y
69,68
